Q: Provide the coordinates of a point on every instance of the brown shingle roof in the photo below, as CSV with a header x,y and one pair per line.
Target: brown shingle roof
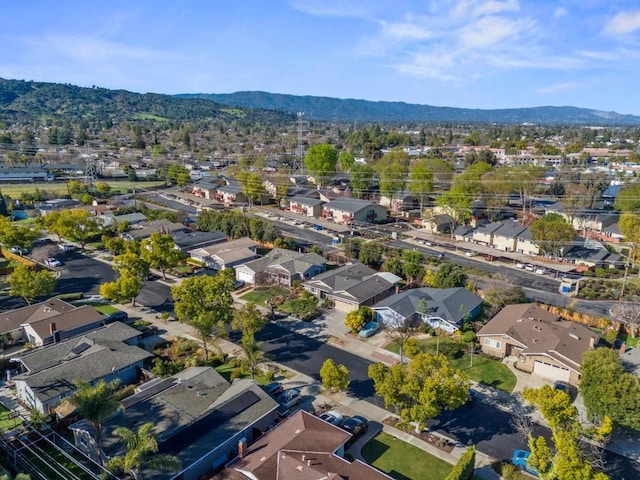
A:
x,y
33,313
540,332
300,448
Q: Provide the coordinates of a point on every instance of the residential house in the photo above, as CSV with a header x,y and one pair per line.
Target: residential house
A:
x,y
593,256
197,415
400,202
543,344
346,210
231,194
309,207
24,174
226,254
144,230
103,354
443,308
352,286
282,267
189,240
56,204
483,234
207,187
301,447
49,321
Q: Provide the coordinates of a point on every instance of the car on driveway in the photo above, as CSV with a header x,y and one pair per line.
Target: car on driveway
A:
x,y
356,426
52,262
369,329
66,247
289,398
332,417
566,388
18,251
274,389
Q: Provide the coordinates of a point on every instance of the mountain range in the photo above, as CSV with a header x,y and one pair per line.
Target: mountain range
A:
x,y
28,101
347,110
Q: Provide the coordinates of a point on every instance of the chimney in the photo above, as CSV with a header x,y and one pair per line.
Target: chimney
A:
x,y
52,328
397,289
242,447
592,342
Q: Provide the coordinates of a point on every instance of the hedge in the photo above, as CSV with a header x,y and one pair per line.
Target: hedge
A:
x,y
463,470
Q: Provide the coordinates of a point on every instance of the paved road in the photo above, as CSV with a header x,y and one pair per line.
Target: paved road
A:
x,y
480,423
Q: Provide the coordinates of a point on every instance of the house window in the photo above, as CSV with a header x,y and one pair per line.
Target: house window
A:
x,y
490,342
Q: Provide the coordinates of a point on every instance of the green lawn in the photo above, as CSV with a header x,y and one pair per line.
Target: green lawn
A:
x,y
484,370
7,423
402,460
117,186
260,296
105,309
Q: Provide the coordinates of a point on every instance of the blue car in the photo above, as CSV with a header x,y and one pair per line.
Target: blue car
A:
x,y
369,329
519,459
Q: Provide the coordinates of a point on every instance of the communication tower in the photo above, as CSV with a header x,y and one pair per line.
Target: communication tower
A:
x,y
90,172
303,127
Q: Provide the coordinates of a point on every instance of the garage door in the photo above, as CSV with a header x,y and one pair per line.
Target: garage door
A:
x,y
344,306
551,371
245,276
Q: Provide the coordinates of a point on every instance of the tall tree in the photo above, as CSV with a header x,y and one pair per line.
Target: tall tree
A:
x,y
141,450
74,224
334,377
525,180
96,404
552,233
393,169
320,161
628,198
159,252
29,284
362,178
206,304
249,320
421,389
608,390
132,270
571,458
19,235
421,181
346,161
251,184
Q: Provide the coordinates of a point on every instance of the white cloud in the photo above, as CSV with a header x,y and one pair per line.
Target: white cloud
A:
x,y
406,31
560,12
623,23
475,8
330,9
490,30
558,87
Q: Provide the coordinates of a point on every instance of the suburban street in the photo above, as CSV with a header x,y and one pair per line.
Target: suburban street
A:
x,y
480,423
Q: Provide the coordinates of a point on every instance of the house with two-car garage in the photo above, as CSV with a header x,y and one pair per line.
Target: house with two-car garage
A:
x,y
543,344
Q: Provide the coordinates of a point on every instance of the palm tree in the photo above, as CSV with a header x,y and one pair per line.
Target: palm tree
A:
x,y
95,404
253,354
140,446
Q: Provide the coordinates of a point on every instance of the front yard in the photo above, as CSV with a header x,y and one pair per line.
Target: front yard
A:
x,y
402,460
485,370
261,295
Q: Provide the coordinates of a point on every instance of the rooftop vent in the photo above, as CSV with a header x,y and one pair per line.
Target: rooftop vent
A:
x,y
574,336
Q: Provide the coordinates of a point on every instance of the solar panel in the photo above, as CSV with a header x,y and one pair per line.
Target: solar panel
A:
x,y
209,422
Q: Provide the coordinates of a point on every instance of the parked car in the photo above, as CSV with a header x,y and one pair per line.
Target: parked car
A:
x,y
473,395
369,329
440,256
118,316
52,262
332,417
356,426
289,398
66,247
274,389
18,251
148,330
238,284
520,265
566,388
529,267
519,459
469,254
541,271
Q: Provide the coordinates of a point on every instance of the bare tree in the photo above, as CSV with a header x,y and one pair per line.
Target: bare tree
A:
x,y
399,329
628,313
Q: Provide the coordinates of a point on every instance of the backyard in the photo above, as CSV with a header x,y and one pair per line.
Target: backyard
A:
x,y
485,370
402,460
7,421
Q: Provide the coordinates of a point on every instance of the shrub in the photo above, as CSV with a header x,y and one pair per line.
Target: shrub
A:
x,y
463,470
510,472
217,360
184,345
268,375
411,347
238,373
234,362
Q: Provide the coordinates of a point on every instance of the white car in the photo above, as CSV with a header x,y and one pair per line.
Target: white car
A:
x,y
541,271
52,262
66,247
469,254
520,265
529,267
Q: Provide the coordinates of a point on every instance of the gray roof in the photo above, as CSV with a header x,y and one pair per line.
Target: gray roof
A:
x,y
488,228
89,360
278,259
51,308
46,357
185,240
193,412
449,304
511,230
135,217
232,188
348,204
311,202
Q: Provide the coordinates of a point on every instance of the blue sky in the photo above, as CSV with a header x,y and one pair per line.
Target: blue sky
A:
x,y
459,53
